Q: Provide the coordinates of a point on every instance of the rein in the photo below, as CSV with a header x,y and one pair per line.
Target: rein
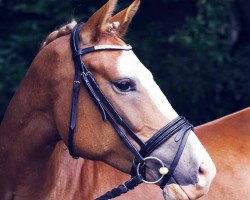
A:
x,y
179,125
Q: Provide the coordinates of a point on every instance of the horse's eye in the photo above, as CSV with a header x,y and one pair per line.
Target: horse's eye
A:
x,y
124,85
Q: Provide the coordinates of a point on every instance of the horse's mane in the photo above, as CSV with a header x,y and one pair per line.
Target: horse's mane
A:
x,y
67,28
61,31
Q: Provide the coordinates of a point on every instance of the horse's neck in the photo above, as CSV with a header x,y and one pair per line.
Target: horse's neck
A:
x,y
34,164
27,138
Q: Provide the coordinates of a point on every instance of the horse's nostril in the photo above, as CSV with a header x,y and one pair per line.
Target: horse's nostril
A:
x,y
203,169
203,175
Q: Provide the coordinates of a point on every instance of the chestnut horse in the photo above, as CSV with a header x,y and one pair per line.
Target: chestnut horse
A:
x,y
34,133
228,142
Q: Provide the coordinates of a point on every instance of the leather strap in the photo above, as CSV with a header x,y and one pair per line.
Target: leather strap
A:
x,y
163,135
185,131
121,189
76,89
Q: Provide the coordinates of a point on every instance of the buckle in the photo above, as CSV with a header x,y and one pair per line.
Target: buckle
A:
x,y
85,74
77,82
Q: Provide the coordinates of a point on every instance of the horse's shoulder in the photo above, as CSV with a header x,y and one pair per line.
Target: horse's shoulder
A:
x,y
238,120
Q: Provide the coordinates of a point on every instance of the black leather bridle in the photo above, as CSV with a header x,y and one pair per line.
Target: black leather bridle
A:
x,y
179,125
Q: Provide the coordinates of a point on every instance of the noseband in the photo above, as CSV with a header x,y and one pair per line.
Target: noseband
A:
x,y
179,125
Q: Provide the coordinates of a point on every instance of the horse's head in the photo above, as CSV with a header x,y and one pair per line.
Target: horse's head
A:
x,y
131,89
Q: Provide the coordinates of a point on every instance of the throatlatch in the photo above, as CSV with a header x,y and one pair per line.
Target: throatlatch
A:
x,y
180,125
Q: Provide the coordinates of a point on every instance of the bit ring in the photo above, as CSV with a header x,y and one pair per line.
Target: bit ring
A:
x,y
150,158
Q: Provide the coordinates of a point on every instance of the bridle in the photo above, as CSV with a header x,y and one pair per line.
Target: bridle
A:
x,y
179,125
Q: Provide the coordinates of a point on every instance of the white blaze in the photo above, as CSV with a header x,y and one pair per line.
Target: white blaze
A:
x,y
130,66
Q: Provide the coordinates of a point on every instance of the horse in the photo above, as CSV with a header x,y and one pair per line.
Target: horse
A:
x,y
119,116
226,141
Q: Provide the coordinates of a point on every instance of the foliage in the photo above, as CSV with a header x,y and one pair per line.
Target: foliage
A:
x,y
186,44
195,67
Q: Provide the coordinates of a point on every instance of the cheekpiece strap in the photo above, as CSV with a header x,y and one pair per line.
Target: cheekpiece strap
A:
x,y
76,88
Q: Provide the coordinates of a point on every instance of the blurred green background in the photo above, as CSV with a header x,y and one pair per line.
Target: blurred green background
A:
x,y
198,50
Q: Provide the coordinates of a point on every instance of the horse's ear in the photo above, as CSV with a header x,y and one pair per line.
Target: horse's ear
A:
x,y
125,17
98,22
